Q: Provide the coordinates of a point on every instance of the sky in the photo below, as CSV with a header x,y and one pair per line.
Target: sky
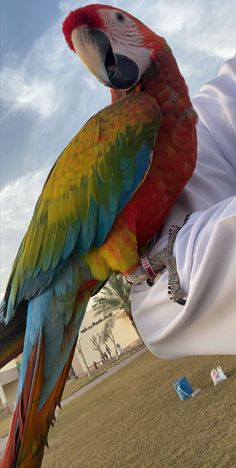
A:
x,y
47,94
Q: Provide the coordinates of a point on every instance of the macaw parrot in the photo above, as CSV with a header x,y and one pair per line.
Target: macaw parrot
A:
x,y
108,193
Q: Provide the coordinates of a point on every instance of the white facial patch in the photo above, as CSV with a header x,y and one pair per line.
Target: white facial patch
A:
x,y
125,37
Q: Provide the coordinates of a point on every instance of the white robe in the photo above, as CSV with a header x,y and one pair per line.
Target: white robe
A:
x,y
205,247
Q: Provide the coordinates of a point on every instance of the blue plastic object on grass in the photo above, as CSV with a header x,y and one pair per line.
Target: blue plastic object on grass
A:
x,y
183,388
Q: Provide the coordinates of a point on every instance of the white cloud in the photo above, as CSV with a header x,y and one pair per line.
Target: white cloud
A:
x,y
32,85
65,6
18,199
172,17
20,92
17,202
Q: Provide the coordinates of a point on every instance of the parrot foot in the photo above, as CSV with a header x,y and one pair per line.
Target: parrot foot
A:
x,y
151,268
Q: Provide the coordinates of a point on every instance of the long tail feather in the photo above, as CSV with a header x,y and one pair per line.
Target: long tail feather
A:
x,y
30,425
53,322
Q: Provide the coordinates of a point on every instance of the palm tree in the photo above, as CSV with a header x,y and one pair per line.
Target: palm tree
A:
x,y
115,295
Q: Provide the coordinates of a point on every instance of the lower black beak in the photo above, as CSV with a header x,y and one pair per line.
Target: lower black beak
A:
x,y
123,73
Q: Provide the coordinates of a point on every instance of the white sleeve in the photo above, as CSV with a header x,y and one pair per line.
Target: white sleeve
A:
x,y
205,247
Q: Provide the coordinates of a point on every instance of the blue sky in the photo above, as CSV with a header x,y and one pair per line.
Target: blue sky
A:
x,y
34,16
47,94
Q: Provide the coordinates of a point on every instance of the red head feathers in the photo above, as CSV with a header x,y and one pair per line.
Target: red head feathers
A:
x,y
85,15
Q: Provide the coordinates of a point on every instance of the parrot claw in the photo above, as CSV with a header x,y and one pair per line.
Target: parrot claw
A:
x,y
150,268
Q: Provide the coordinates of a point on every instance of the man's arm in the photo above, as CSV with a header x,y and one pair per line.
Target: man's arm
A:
x,y
205,247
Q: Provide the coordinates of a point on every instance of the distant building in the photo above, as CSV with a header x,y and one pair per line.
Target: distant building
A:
x,y
123,331
9,377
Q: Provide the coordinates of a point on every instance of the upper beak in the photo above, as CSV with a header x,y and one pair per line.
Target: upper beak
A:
x,y
113,70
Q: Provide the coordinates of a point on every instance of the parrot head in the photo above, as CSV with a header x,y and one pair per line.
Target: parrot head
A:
x,y
114,45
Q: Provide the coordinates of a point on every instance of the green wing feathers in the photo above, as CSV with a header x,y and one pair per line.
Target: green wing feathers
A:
x,y
90,183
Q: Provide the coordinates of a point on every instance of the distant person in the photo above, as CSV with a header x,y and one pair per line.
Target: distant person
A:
x,y
108,351
119,349
105,357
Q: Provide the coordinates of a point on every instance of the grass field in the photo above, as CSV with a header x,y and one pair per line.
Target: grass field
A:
x,y
73,385
134,419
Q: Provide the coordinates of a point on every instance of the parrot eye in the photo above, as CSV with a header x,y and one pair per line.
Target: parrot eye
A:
x,y
120,17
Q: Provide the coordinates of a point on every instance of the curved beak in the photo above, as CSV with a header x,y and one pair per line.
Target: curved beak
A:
x,y
94,49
